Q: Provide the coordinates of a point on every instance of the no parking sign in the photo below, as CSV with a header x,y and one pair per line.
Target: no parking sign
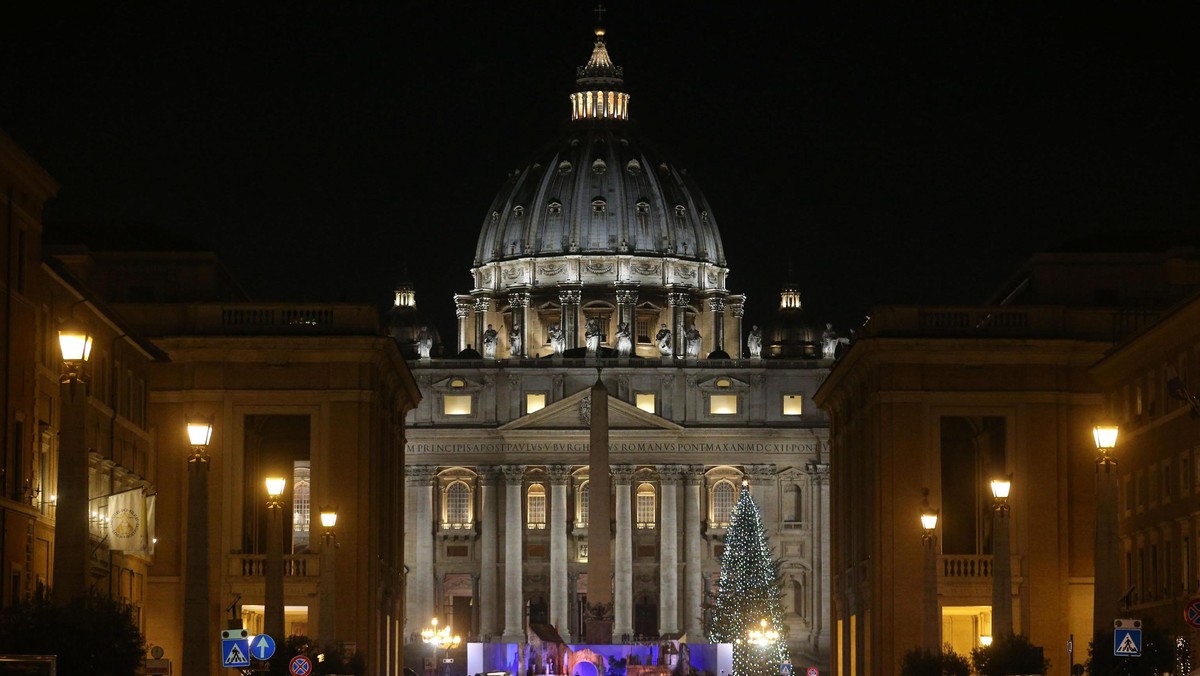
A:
x,y
300,666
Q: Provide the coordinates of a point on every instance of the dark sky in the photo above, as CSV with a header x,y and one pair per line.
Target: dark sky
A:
x,y
903,155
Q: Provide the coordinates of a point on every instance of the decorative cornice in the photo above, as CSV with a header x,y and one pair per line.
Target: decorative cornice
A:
x,y
518,298
678,298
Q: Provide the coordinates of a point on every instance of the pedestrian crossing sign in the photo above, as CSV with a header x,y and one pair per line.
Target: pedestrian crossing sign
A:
x,y
235,652
1127,642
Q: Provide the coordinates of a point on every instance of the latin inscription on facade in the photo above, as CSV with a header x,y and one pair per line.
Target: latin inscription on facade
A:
x,y
634,448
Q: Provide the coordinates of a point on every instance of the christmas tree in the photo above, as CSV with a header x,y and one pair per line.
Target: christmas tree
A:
x,y
745,609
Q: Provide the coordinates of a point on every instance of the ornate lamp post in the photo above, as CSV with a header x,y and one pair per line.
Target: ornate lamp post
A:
x,y
197,639
71,536
1002,623
273,610
440,638
328,588
1107,585
930,621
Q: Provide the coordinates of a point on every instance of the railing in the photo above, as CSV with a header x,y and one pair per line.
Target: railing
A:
x,y
968,566
255,318
294,565
1000,321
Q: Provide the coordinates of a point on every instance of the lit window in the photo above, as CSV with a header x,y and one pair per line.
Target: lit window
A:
x,y
582,518
536,506
645,401
301,505
583,551
791,404
722,503
534,402
457,404
458,505
645,506
723,404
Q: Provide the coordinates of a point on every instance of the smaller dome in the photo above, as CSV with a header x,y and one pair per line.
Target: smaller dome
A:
x,y
792,333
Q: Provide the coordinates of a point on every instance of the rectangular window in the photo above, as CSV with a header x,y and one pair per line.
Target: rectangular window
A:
x,y
645,401
457,551
456,404
537,507
722,404
535,401
792,405
645,509
644,322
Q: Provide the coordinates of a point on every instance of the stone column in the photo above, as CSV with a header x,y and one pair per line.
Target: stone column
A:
x,y
570,297
626,309
765,489
462,310
519,300
716,306
420,594
487,552
573,605
677,301
482,305
623,555
819,636
737,308
514,530
560,608
668,573
693,574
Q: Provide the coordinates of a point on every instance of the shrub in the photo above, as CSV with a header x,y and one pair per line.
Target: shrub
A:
x,y
924,662
1009,654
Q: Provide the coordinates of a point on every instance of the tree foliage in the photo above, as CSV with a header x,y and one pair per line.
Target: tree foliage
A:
x,y
1009,654
330,658
92,634
747,593
925,662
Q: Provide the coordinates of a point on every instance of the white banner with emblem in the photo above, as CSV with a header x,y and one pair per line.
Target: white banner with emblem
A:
x,y
127,521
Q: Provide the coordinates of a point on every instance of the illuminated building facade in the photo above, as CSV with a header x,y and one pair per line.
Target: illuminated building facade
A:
x,y
601,258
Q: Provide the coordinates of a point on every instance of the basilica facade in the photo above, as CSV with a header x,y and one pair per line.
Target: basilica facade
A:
x,y
601,259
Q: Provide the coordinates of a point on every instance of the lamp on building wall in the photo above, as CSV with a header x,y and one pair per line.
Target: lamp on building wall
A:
x,y
930,617
326,633
71,534
1002,621
440,638
1107,585
197,637
273,605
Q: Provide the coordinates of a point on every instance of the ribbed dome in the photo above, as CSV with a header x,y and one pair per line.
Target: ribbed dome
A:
x,y
600,191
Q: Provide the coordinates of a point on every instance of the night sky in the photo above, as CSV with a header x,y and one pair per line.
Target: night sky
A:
x,y
905,155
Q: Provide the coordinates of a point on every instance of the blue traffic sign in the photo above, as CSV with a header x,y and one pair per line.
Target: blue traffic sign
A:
x,y
235,652
262,647
1127,642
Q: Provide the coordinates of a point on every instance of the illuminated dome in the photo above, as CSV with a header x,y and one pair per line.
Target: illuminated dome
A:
x,y
599,190
599,230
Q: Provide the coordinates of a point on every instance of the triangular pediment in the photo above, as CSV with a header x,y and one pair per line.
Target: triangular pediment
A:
x,y
573,413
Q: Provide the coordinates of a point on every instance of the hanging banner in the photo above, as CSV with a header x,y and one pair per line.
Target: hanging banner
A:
x,y
127,521
151,534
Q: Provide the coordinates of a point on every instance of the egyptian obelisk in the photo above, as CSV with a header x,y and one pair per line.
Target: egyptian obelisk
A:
x,y
599,612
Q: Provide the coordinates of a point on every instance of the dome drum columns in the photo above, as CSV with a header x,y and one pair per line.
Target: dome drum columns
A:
x,y
570,297
627,298
462,310
482,305
519,300
678,300
737,308
716,306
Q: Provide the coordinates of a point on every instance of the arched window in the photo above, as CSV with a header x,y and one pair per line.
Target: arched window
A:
x,y
536,506
585,490
458,505
722,503
645,505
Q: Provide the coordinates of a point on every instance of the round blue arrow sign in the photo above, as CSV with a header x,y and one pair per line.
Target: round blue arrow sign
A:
x,y
262,647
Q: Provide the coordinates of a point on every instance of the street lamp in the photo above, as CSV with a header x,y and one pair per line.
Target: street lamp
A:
x,y
1107,584
440,638
273,606
71,535
197,639
930,622
326,633
1002,621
